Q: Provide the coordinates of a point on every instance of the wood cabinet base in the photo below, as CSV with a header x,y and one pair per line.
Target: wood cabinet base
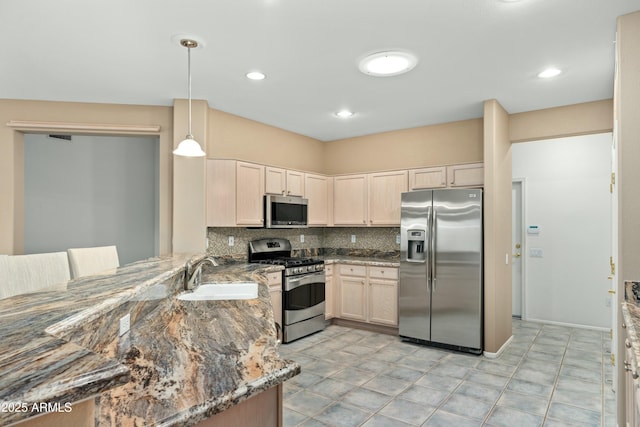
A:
x,y
262,410
389,330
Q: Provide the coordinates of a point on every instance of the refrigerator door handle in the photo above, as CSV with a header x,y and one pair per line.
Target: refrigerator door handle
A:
x,y
433,250
428,248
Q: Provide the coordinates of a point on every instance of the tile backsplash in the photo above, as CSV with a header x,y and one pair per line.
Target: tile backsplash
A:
x,y
334,239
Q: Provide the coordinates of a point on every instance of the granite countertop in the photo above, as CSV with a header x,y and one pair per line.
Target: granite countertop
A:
x,y
631,318
181,362
366,260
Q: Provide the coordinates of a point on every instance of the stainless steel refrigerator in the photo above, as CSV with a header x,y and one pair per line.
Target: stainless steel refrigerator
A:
x,y
440,294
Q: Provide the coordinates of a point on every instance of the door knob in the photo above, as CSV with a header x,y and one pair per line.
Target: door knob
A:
x,y
517,255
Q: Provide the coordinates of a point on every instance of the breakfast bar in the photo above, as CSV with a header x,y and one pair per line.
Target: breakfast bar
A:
x,y
139,355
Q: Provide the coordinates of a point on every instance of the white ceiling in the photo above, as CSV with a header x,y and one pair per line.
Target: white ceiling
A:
x,y
125,51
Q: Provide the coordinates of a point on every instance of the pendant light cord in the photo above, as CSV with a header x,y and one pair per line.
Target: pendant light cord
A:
x,y
189,71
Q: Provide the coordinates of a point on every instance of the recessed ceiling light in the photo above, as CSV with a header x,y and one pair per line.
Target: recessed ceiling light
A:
x,y
344,114
256,75
386,64
549,72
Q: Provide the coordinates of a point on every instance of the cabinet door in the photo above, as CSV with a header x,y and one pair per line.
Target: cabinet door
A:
x,y
249,194
428,178
295,183
329,294
275,180
471,175
350,200
352,298
221,193
276,302
274,281
385,191
317,192
383,302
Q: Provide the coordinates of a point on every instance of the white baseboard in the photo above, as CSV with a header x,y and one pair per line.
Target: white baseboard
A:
x,y
568,325
500,350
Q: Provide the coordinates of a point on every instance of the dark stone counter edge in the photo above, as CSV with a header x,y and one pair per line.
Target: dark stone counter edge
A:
x,y
207,409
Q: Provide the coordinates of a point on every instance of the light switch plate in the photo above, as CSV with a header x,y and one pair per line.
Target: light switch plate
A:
x,y
536,252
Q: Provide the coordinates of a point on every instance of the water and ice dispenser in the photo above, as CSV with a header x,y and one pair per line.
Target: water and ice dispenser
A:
x,y
416,245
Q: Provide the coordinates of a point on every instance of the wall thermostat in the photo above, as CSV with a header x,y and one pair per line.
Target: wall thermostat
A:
x,y
533,229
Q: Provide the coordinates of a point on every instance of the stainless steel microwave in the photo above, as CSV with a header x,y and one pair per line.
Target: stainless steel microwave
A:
x,y
285,211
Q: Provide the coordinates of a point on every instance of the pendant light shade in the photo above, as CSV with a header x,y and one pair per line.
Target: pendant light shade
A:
x,y
189,147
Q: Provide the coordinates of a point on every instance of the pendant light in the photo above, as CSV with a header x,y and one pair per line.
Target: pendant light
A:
x,y
189,147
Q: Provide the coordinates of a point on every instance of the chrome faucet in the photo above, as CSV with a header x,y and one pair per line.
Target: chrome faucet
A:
x,y
194,271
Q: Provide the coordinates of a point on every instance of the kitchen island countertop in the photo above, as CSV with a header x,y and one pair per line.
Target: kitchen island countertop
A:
x,y
181,362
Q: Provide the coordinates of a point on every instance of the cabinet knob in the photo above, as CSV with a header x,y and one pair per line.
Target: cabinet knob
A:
x,y
627,344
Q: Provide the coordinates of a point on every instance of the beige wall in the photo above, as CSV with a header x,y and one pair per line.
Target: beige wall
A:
x,y
189,179
627,114
571,120
12,156
497,227
442,144
234,137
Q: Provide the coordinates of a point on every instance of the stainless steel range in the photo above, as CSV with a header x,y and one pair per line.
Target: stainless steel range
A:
x,y
303,284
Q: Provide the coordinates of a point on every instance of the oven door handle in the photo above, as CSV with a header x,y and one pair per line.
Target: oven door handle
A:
x,y
307,279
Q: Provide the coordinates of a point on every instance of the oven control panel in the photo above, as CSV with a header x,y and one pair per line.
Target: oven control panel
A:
x,y
304,269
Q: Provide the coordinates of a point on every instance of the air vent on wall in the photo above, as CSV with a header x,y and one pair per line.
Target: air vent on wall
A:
x,y
65,137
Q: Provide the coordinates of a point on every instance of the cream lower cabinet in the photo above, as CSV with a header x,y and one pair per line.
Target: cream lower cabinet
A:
x,y
329,293
368,294
353,292
275,291
383,295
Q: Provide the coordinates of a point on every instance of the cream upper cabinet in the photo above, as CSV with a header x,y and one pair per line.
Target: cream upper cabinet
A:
x,y
385,191
275,180
319,191
428,178
469,175
249,194
235,193
283,182
295,183
350,200
221,193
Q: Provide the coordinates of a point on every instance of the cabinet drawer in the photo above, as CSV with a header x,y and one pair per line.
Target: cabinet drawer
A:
x,y
274,279
390,273
353,270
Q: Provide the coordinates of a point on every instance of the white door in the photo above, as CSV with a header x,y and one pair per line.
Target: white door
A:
x,y
517,248
613,280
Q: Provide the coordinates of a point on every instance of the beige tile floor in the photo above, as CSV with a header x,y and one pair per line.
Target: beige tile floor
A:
x,y
548,376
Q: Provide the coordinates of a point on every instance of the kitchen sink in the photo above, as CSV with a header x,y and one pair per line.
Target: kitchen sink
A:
x,y
222,291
